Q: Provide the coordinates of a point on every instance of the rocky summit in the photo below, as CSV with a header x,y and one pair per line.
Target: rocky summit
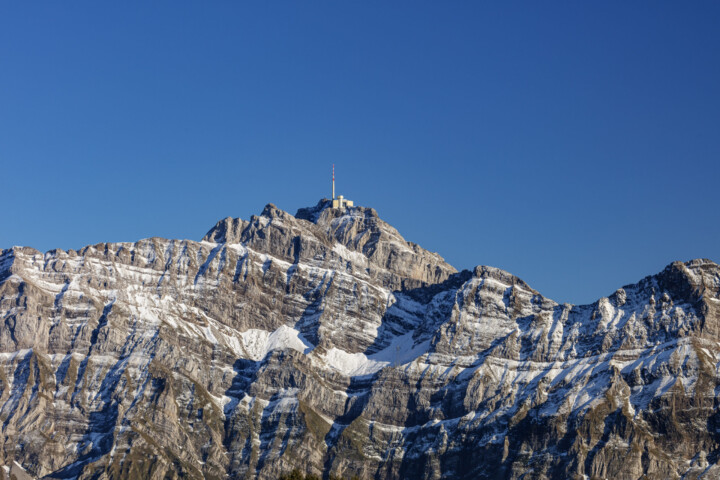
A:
x,y
326,343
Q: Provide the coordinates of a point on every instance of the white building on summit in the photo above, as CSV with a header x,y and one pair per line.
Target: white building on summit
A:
x,y
340,201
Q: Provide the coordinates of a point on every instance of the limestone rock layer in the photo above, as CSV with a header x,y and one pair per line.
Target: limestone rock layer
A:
x,y
325,342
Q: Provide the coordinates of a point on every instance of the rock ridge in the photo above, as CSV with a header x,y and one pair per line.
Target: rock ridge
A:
x,y
325,342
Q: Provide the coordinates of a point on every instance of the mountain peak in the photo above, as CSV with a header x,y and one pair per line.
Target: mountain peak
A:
x,y
358,229
311,214
272,211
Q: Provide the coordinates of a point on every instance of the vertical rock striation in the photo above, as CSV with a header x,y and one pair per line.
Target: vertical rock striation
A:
x,y
326,342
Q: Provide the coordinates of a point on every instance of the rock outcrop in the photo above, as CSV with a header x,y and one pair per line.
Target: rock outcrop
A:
x,y
325,342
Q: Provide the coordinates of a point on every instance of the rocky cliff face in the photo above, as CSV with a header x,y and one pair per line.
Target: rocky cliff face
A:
x,y
326,342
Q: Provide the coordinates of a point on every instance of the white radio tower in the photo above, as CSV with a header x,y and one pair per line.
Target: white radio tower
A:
x,y
339,201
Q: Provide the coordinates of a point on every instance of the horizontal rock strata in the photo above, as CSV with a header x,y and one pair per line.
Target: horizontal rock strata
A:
x,y
327,343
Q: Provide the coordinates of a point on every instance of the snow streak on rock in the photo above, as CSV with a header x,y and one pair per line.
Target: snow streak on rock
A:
x,y
326,342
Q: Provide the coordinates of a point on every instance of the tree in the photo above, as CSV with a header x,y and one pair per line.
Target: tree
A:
x,y
294,475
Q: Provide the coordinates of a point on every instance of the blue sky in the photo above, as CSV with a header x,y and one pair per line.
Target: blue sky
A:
x,y
574,144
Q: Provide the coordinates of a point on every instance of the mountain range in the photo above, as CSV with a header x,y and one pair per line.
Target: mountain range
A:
x,y
324,342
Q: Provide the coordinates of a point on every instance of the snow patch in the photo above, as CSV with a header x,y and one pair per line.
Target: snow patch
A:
x,y
402,350
258,343
355,257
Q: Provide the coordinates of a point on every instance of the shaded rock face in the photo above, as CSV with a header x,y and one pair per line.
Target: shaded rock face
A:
x,y
321,233
326,342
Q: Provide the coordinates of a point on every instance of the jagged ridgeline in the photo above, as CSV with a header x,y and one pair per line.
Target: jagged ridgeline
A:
x,y
325,343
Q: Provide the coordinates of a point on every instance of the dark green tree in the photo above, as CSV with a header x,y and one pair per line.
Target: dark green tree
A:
x,y
294,475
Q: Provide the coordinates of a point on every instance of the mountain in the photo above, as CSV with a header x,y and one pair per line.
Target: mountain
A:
x,y
325,342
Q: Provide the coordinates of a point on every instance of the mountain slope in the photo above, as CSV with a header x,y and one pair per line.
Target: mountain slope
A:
x,y
326,342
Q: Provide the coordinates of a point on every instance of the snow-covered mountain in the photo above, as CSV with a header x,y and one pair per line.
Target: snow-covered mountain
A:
x,y
327,343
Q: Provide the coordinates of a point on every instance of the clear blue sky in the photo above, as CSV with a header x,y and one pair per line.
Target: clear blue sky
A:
x,y
574,144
